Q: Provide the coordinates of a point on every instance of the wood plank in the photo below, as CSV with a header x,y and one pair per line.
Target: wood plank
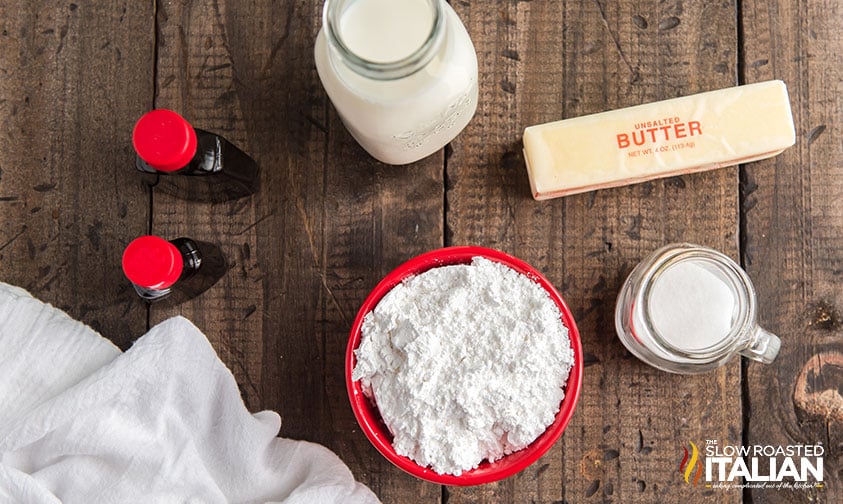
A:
x,y
542,61
379,216
793,240
72,78
196,77
327,224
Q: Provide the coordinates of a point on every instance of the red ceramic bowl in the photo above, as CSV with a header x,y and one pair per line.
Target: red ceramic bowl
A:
x,y
369,417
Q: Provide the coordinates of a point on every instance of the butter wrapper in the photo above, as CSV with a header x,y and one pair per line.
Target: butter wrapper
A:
x,y
661,139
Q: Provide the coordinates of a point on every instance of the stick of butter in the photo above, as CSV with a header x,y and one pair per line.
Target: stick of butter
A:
x,y
662,139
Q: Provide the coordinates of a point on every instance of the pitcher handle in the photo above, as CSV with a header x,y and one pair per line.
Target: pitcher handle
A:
x,y
763,346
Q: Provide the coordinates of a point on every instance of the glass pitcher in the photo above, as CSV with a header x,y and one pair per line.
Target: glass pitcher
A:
x,y
688,309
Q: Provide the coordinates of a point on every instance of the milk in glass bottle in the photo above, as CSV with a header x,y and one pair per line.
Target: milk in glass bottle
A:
x,y
402,74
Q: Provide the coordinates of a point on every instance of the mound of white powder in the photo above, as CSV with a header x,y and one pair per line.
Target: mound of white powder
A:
x,y
465,363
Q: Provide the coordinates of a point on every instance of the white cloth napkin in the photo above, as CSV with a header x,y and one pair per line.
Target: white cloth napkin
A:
x,y
81,422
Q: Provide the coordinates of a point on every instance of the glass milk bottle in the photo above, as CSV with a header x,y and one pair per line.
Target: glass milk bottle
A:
x,y
688,309
402,74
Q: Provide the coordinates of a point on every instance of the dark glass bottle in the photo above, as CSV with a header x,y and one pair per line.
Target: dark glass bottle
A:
x,y
178,269
191,163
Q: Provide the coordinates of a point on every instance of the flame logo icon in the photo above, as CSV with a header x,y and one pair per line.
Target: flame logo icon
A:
x,y
686,467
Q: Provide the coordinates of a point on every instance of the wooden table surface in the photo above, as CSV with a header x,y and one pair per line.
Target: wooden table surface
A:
x,y
330,221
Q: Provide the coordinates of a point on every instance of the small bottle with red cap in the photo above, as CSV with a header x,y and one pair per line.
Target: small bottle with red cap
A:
x,y
191,163
181,268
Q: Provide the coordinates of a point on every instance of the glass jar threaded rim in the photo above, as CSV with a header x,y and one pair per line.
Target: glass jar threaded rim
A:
x,y
377,70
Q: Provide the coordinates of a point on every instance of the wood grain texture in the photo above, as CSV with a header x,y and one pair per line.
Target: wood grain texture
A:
x,y
380,216
542,61
326,225
329,222
72,77
793,240
196,77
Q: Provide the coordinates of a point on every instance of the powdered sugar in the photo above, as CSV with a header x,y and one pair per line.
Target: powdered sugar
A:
x,y
465,363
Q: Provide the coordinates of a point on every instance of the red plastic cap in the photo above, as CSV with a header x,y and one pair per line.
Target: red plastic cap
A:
x,y
165,140
152,262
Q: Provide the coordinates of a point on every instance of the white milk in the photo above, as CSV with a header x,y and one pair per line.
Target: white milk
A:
x,y
401,119
688,309
691,307
402,27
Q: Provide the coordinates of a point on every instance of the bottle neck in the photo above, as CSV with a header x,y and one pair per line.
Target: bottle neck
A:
x,y
337,18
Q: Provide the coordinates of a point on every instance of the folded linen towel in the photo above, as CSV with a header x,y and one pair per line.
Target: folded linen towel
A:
x,y
81,422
